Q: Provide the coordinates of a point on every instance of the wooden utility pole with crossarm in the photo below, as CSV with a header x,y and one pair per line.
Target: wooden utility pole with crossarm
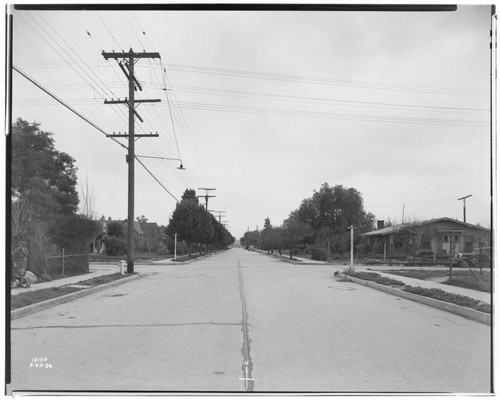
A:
x,y
126,63
206,196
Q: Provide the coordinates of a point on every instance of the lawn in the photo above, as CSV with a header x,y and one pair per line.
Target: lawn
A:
x,y
437,294
461,278
37,296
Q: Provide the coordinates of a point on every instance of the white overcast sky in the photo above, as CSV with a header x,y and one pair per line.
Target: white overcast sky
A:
x,y
267,106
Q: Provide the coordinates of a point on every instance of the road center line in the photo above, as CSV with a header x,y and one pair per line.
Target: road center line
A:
x,y
245,350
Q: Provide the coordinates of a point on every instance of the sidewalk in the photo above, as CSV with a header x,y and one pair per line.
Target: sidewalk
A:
x,y
475,294
95,271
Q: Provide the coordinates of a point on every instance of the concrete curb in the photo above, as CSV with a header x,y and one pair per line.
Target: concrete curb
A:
x,y
442,305
192,259
32,308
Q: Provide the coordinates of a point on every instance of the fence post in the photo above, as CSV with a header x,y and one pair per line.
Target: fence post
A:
x,y
63,262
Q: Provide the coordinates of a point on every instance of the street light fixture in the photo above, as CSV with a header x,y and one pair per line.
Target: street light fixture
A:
x,y
166,158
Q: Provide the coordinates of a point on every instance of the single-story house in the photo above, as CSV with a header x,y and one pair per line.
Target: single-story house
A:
x,y
437,236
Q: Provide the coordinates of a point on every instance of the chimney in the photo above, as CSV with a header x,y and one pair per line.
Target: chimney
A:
x,y
380,224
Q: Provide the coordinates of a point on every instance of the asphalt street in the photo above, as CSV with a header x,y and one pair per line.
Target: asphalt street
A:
x,y
241,321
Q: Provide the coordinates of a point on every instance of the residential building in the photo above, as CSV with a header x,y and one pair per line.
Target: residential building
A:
x,y
437,236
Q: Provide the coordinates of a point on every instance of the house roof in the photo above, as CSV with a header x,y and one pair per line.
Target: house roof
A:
x,y
123,223
395,228
149,228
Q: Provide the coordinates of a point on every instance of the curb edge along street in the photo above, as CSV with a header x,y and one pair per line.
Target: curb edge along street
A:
x,y
450,307
442,305
32,308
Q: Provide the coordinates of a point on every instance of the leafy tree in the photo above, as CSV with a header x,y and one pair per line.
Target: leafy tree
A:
x,y
115,229
42,175
74,233
331,210
294,233
115,246
43,190
251,238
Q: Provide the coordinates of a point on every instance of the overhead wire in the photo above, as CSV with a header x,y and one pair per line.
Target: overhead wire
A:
x,y
109,31
95,83
323,100
183,121
91,86
325,115
323,81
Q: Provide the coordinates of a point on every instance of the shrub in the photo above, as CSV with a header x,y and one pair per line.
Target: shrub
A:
x,y
362,248
319,253
425,253
377,278
378,248
115,246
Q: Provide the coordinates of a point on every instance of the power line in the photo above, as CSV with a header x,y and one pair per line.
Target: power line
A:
x,y
65,105
321,100
63,58
323,81
325,115
88,121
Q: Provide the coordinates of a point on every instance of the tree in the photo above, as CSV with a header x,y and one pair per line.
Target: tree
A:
x,y
115,229
188,220
43,190
251,238
21,217
331,210
294,232
75,233
267,236
42,175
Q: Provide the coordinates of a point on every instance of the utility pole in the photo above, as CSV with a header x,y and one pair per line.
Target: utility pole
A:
x,y
221,213
175,245
206,196
127,66
463,198
352,244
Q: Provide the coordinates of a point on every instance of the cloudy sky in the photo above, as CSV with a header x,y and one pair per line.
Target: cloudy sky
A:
x,y
267,106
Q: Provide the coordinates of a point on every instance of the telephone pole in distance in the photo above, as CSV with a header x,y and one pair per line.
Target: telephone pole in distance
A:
x,y
463,198
206,196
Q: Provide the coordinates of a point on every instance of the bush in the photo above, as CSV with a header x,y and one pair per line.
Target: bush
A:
x,y
319,253
115,246
362,248
378,248
425,253
374,277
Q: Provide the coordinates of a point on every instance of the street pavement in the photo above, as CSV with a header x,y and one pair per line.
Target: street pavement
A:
x,y
242,321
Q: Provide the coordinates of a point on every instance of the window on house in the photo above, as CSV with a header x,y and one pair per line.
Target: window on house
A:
x,y
398,245
455,238
445,238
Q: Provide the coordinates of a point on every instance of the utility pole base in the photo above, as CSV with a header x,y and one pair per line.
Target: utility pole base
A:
x,y
130,267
